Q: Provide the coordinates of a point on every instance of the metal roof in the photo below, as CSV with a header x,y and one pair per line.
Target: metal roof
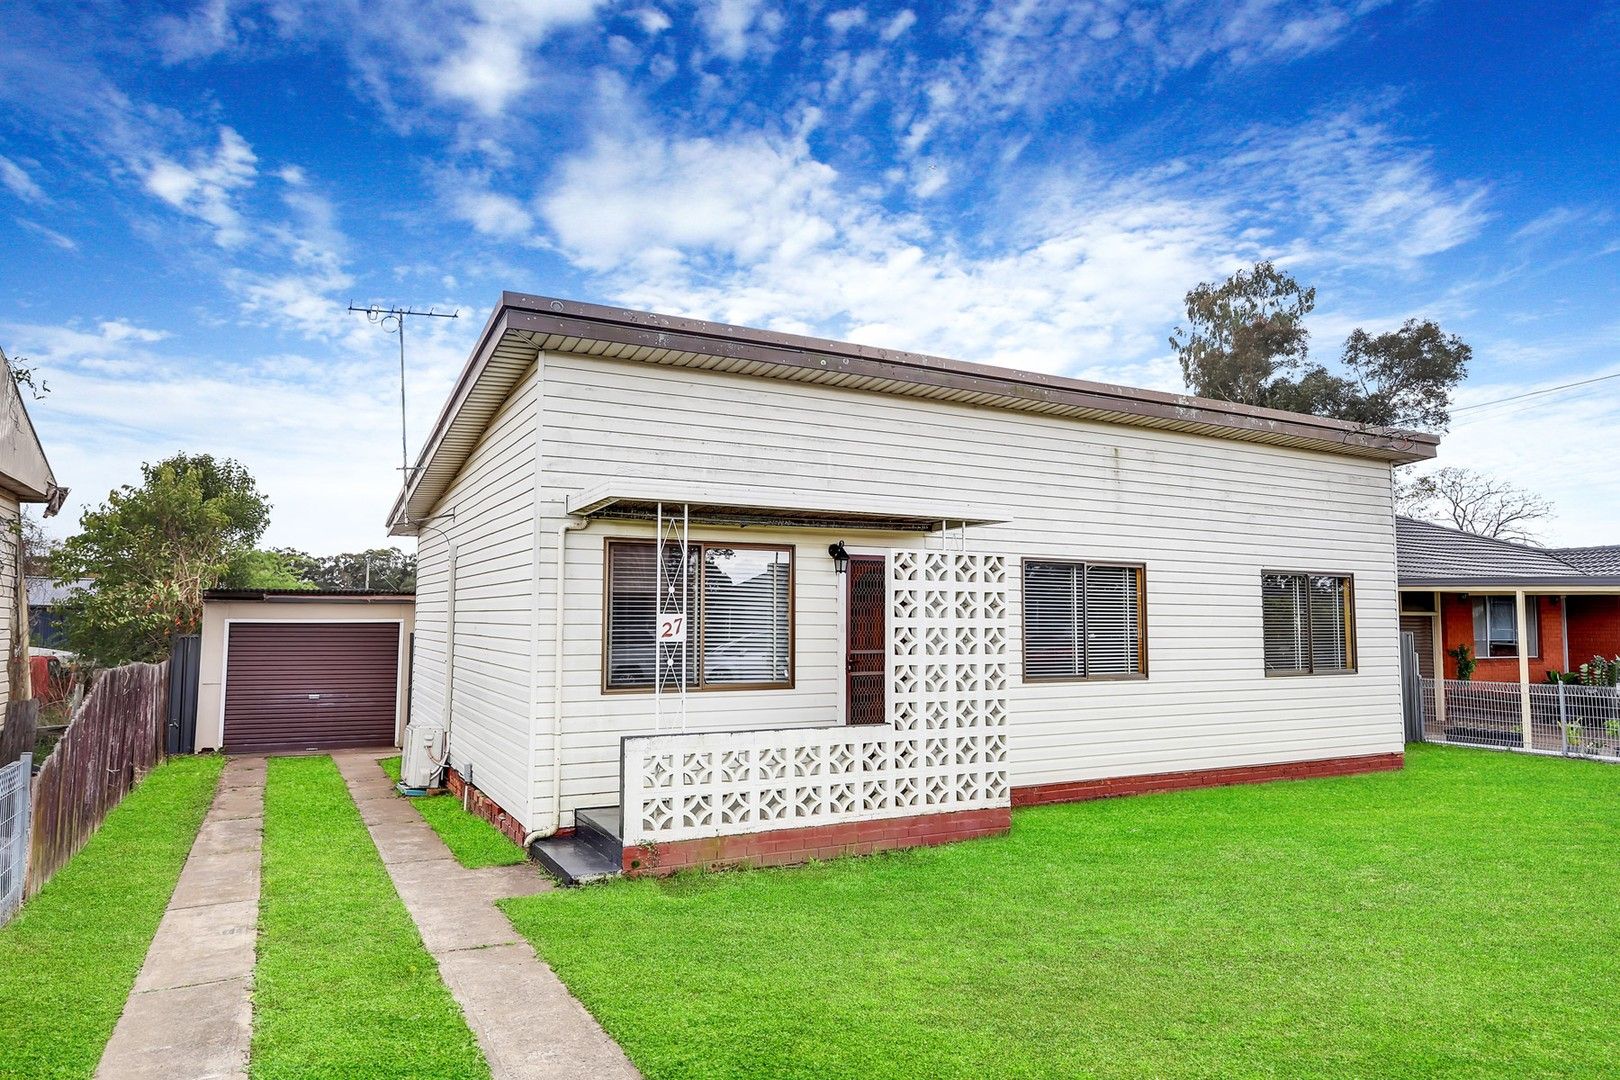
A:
x,y
1604,559
1438,556
340,595
523,326
723,505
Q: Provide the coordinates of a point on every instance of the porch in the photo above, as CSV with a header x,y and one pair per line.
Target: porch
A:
x,y
1504,667
915,751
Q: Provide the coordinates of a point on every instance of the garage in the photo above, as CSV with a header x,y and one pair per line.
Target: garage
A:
x,y
294,672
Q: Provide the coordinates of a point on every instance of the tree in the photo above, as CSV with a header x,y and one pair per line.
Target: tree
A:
x,y
378,569
1475,503
259,569
152,551
1247,342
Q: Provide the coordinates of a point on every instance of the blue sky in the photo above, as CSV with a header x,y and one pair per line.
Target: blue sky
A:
x,y
191,195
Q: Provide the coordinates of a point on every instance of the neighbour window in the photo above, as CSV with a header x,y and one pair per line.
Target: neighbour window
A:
x,y
1083,621
739,612
1309,626
1496,631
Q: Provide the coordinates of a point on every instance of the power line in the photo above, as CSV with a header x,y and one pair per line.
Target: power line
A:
x,y
1536,393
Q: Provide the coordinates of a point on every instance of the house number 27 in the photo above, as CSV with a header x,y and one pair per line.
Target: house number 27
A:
x,y
672,626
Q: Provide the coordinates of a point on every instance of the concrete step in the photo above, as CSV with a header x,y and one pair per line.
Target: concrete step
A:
x,y
574,861
599,827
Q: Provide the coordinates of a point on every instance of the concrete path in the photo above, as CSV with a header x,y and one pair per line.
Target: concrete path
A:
x,y
190,1014
528,1024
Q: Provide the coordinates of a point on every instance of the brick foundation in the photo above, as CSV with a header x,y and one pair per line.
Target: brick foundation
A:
x,y
1109,787
783,847
485,807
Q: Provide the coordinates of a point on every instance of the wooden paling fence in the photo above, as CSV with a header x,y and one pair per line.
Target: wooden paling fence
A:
x,y
115,738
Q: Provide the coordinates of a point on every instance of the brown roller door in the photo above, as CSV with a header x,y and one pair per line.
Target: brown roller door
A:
x,y
310,686
1421,627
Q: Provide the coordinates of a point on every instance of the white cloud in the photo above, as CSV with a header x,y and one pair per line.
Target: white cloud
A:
x,y
651,20
205,188
491,63
207,31
66,243
19,183
736,27
846,19
320,433
903,20
492,213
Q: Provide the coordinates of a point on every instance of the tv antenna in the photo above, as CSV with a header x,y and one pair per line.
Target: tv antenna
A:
x,y
392,320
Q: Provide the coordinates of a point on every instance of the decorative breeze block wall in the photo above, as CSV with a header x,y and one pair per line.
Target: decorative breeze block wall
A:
x,y
943,749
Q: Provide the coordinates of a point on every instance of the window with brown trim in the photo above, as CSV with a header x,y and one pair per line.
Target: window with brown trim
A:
x,y
1083,621
739,612
1309,623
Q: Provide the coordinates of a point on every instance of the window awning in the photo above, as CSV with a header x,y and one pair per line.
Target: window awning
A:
x,y
631,500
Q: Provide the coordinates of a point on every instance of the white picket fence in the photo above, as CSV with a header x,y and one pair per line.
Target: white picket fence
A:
x,y
1581,721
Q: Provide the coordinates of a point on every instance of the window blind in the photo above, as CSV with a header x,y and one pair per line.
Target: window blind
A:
x,y
1081,620
1306,623
738,614
1495,626
745,615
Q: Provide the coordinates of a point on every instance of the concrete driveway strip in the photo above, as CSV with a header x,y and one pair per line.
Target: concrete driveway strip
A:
x,y
527,1023
190,1014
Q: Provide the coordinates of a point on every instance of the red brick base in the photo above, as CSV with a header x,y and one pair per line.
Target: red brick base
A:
x,y
484,806
783,847
1079,790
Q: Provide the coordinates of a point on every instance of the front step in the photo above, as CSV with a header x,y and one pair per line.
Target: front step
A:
x,y
592,853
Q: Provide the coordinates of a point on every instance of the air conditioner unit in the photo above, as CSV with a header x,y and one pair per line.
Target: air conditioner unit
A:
x,y
423,757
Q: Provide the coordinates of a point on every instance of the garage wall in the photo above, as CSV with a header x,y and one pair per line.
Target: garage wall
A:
x,y
216,613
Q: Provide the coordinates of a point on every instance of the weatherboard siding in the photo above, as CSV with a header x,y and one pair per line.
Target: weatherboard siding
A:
x,y
10,552
489,512
1205,515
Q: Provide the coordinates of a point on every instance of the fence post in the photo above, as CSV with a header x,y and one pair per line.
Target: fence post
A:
x,y
1563,716
1521,631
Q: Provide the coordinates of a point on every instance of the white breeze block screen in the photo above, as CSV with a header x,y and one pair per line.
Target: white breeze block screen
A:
x,y
944,747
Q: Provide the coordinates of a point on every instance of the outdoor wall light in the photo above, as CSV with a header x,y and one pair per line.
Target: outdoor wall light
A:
x,y
840,557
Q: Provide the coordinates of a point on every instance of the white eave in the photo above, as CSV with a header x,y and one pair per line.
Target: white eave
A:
x,y
637,500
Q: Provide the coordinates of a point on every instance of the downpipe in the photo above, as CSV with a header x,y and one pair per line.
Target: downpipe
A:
x,y
554,818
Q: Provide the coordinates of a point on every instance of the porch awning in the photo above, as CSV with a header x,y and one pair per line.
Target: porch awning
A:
x,y
639,501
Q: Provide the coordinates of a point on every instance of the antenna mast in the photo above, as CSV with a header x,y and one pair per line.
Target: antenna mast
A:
x,y
392,320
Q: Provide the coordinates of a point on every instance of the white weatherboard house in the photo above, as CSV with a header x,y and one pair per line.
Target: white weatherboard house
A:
x,y
897,595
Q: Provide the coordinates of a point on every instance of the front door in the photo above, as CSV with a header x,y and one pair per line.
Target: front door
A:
x,y
865,641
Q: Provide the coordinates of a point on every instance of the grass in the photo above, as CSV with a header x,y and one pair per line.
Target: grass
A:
x,y
343,986
68,960
1454,919
472,840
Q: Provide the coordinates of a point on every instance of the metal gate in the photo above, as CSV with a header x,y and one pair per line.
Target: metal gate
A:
x,y
185,670
1411,688
15,790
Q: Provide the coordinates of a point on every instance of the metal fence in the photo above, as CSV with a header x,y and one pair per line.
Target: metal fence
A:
x,y
15,785
1580,721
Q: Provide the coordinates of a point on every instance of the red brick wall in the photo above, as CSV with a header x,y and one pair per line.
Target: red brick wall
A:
x,y
485,807
783,847
1457,625
1594,628
1109,787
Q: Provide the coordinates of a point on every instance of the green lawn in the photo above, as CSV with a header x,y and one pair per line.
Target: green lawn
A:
x,y
68,960
1454,919
472,840
343,986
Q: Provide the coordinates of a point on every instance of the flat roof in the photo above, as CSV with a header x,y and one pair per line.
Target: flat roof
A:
x,y
718,505
332,595
523,325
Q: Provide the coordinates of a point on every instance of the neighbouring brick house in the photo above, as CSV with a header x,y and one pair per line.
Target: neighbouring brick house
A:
x,y
1461,589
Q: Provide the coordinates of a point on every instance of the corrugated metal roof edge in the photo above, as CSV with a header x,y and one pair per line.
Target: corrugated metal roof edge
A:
x,y
649,329
309,594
